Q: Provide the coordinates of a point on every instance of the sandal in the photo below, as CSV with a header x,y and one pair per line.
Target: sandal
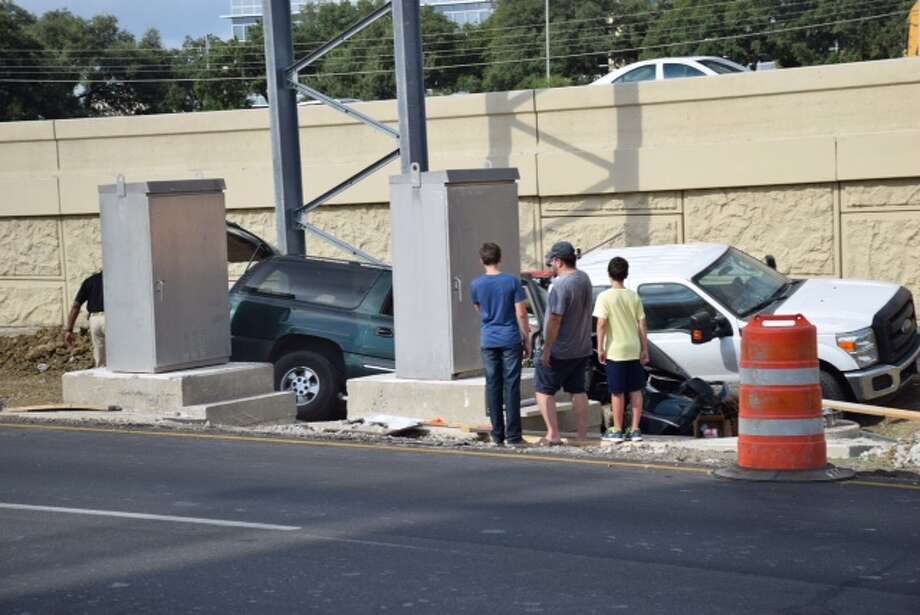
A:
x,y
545,442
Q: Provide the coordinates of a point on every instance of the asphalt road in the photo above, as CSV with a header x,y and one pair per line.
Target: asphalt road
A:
x,y
120,523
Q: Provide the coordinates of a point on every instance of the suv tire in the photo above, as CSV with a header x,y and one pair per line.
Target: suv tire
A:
x,y
314,381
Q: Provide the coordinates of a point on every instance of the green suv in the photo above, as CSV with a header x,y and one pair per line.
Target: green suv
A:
x,y
321,322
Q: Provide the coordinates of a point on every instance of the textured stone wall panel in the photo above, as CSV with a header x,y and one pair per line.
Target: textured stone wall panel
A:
x,y
30,305
883,246
258,221
893,194
793,223
611,231
529,225
605,204
82,250
30,247
366,227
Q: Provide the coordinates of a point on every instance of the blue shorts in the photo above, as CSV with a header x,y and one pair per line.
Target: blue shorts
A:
x,y
625,377
566,374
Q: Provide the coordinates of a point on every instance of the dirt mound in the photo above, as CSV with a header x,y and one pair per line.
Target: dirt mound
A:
x,y
44,352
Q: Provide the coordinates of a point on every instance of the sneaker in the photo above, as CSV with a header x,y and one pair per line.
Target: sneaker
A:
x,y
634,436
612,435
518,444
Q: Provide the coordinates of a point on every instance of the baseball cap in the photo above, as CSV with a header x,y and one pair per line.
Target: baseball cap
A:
x,y
560,249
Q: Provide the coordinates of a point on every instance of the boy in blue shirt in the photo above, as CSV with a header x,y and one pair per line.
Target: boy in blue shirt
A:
x,y
502,304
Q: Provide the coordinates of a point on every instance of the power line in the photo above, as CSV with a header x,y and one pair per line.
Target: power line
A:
x,y
569,39
653,14
459,34
472,64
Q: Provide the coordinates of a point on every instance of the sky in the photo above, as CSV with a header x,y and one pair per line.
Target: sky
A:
x,y
173,18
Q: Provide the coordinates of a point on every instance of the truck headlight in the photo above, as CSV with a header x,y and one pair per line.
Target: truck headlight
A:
x,y
860,345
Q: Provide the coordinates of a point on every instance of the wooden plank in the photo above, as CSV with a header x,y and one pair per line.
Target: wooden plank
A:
x,y
62,408
892,413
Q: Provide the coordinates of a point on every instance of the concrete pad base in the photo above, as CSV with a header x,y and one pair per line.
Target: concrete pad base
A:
x,y
224,394
258,409
168,390
458,402
532,420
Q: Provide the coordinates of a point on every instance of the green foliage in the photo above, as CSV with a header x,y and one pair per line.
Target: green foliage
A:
x,y
582,36
22,51
791,32
364,67
61,65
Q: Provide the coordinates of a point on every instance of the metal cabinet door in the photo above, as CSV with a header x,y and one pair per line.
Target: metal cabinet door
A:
x,y
477,213
189,258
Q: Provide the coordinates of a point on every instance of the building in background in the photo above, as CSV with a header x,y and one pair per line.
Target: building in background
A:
x,y
463,12
246,13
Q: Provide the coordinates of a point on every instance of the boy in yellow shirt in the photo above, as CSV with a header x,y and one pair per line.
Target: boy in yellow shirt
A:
x,y
622,347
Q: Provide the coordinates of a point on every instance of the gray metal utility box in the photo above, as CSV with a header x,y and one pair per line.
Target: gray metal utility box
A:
x,y
164,254
439,221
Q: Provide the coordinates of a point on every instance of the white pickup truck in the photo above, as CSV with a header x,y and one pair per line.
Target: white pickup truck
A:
x,y
868,343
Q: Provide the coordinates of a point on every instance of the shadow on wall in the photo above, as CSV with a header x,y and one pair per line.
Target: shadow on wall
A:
x,y
501,127
621,171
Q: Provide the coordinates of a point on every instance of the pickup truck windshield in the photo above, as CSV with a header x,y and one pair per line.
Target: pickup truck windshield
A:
x,y
741,283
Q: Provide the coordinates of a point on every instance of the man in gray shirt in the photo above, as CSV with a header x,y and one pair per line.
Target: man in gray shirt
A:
x,y
566,342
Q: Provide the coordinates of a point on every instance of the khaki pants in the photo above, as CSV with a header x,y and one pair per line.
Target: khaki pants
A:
x,y
97,334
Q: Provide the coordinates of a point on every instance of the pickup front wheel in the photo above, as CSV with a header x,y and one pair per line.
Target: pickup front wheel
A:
x,y
313,380
831,387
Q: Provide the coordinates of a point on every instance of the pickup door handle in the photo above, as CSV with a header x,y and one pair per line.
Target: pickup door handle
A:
x,y
384,332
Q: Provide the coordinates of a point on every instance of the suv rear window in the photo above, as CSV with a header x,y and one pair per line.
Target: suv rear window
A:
x,y
341,285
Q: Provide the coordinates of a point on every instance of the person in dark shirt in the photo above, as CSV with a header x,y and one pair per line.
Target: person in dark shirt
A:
x,y
90,293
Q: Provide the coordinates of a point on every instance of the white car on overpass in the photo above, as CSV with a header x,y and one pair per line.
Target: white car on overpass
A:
x,y
671,68
868,343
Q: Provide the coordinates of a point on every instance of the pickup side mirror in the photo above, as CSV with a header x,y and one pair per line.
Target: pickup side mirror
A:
x,y
702,328
721,327
770,261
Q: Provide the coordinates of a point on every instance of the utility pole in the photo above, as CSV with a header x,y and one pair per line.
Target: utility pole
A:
x,y
285,130
547,43
410,85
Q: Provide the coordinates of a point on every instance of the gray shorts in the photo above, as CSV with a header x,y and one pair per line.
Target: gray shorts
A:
x,y
566,374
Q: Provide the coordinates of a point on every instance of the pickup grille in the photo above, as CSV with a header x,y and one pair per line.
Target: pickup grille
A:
x,y
895,328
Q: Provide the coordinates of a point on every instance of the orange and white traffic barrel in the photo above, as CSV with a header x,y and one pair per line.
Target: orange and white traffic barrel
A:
x,y
780,419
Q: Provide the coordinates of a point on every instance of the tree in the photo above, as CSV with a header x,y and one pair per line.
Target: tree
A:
x,y
584,36
363,68
225,74
23,57
791,32
732,30
834,31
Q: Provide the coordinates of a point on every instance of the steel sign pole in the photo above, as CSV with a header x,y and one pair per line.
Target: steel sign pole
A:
x,y
410,85
285,137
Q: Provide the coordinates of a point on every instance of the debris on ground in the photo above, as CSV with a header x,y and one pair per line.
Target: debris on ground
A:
x,y
44,352
380,425
58,408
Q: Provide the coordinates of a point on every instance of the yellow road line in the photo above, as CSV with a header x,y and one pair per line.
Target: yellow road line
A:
x,y
418,450
354,445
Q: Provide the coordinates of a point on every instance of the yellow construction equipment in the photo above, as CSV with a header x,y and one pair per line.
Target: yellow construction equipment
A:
x,y
913,34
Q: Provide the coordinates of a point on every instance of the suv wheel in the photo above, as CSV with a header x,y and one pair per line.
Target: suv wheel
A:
x,y
313,380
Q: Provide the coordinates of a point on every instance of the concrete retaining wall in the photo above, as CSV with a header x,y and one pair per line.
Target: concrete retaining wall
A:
x,y
819,166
